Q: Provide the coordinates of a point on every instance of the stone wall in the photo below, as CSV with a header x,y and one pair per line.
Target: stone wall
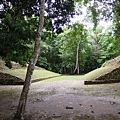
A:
x,y
113,75
112,62
6,79
2,65
109,77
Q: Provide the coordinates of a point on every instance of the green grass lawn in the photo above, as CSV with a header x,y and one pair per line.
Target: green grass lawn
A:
x,y
67,77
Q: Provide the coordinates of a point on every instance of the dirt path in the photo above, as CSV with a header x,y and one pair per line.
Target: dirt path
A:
x,y
63,100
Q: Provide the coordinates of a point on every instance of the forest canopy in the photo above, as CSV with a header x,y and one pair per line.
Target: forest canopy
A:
x,y
65,48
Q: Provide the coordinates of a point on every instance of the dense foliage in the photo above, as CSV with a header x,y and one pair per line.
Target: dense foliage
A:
x,y
108,10
67,49
19,21
95,47
72,48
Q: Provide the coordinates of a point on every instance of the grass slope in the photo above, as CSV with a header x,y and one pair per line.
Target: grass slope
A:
x,y
108,73
97,73
38,74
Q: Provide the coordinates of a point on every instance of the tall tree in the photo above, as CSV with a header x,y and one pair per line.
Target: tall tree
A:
x,y
19,21
22,103
116,21
72,47
16,37
77,59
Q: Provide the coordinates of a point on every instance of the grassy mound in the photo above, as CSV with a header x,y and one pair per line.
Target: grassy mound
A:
x,y
108,73
97,73
17,76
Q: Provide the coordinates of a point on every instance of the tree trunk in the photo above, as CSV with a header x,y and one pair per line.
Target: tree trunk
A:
x,y
78,70
23,98
77,59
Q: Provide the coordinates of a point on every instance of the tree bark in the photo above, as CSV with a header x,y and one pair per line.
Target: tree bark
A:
x,y
78,69
77,59
23,98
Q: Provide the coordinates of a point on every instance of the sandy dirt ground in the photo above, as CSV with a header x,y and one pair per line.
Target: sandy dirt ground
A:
x,y
63,100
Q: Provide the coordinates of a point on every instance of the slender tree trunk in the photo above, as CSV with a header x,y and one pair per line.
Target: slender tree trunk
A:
x,y
78,69
23,98
77,58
